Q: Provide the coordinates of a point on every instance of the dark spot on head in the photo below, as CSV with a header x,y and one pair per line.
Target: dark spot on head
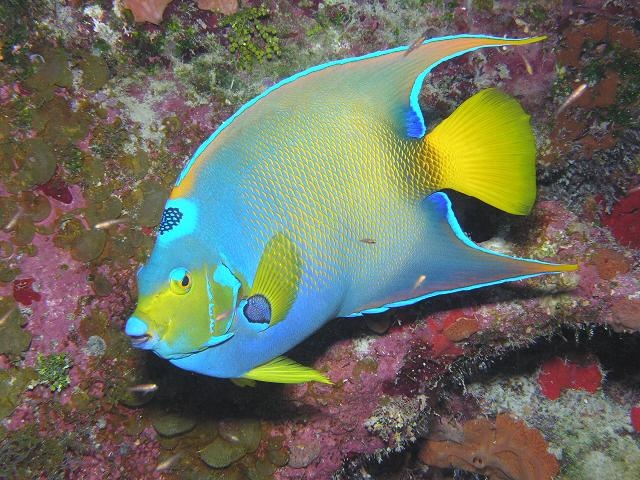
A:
x,y
170,218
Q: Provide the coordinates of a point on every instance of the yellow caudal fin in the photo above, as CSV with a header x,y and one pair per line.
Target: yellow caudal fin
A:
x,y
285,370
486,149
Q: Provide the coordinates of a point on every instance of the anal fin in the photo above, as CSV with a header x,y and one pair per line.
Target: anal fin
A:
x,y
457,263
453,263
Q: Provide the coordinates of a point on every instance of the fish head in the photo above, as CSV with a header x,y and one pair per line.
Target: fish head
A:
x,y
187,299
171,314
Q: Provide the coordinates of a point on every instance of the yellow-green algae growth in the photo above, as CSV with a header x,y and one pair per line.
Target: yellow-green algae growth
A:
x,y
14,339
13,382
53,371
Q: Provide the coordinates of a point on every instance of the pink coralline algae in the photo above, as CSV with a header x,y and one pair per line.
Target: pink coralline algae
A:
x,y
558,374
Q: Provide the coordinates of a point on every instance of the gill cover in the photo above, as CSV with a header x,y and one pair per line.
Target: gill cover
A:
x,y
223,291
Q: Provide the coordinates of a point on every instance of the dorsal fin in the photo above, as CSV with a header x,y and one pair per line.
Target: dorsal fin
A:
x,y
387,82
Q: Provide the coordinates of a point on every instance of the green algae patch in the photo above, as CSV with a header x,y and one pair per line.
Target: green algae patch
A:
x,y
277,453
137,165
13,338
59,124
101,285
36,164
25,454
94,72
36,207
6,249
365,365
221,453
261,470
235,472
245,432
8,273
104,210
53,371
173,425
89,245
151,197
53,72
23,232
93,324
251,37
8,211
68,230
13,382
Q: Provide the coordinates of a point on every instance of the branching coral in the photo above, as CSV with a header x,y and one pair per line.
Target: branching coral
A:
x,y
504,450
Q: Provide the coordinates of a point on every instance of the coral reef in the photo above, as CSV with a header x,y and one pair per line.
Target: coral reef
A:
x,y
590,433
101,107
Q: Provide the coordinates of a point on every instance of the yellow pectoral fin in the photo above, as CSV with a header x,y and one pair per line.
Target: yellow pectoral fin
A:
x,y
284,370
278,276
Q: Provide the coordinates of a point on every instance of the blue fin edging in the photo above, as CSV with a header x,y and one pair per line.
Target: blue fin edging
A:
x,y
415,125
443,206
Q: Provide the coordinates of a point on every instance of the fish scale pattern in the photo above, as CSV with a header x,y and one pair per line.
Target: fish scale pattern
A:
x,y
345,191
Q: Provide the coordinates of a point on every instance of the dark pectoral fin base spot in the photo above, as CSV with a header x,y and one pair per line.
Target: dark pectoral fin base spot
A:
x,y
258,310
170,218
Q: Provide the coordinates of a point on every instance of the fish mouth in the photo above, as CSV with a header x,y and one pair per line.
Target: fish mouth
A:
x,y
143,342
138,332
139,341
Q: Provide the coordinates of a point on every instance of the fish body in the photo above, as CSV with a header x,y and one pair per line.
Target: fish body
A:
x,y
320,198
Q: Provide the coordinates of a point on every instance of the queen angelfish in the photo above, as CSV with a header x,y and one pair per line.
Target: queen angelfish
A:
x,y
322,198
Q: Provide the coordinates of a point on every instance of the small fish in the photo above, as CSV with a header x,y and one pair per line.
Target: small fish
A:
x,y
13,221
255,248
527,65
110,223
169,463
368,241
7,315
419,41
144,388
575,95
419,281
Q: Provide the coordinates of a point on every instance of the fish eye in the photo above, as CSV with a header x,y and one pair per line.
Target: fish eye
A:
x,y
180,281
